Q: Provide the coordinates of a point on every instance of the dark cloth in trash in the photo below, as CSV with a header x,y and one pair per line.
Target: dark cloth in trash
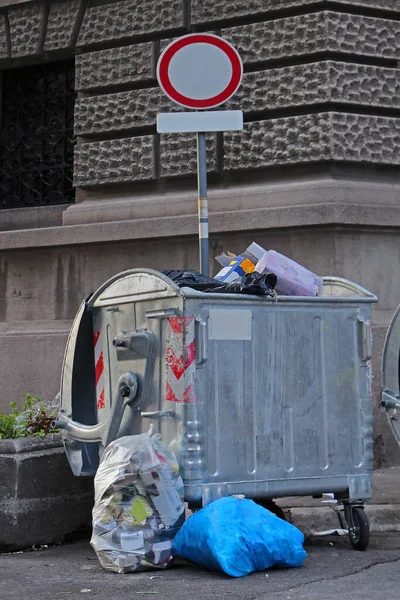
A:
x,y
249,283
193,279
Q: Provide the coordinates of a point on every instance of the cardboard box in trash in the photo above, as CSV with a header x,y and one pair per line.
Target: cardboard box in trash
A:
x,y
292,279
234,267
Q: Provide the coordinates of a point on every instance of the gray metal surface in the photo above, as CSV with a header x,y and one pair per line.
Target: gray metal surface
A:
x,y
260,396
391,375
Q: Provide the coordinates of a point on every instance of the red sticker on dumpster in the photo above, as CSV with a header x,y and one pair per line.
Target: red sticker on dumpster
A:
x,y
180,359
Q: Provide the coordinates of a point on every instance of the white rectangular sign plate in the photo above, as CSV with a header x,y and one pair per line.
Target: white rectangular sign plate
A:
x,y
193,122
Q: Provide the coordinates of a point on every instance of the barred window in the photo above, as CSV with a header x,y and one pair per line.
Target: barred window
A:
x,y
36,135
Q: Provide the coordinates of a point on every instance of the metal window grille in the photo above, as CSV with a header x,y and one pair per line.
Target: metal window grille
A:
x,y
36,135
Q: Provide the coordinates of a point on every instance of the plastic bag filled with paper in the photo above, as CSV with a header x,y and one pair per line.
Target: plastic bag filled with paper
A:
x,y
138,504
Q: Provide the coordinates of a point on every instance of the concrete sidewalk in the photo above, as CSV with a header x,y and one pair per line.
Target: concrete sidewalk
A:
x,y
315,515
332,571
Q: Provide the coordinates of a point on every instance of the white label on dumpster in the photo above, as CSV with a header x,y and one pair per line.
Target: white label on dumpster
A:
x,y
225,324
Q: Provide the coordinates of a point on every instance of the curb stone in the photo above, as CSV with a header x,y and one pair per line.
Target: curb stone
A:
x,y
382,518
311,520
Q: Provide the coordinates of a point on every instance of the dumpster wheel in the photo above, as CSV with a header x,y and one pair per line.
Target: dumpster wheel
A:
x,y
271,506
358,527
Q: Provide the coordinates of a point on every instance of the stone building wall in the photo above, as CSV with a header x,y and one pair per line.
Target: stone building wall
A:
x,y
314,174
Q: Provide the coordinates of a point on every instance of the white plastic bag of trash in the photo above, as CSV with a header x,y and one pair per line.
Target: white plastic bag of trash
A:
x,y
139,504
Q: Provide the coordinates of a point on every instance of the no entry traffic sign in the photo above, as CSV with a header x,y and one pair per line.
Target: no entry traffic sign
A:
x,y
199,71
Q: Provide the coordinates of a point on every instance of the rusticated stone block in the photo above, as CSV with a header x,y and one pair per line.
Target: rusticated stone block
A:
x,y
382,4
25,25
281,88
60,24
119,112
203,11
296,86
314,138
178,155
117,66
3,45
317,32
114,161
278,142
130,18
207,11
364,84
362,138
317,83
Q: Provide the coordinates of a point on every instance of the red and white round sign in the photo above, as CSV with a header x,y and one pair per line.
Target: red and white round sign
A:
x,y
199,71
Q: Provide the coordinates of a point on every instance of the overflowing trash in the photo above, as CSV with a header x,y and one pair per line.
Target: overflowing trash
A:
x,y
238,536
248,283
234,266
292,279
255,271
139,504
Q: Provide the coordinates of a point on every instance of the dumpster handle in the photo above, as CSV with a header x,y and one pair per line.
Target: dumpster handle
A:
x,y
161,314
366,339
79,432
158,414
201,342
126,393
106,431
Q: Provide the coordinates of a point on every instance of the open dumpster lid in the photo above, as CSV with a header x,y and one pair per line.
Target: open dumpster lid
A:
x,y
391,375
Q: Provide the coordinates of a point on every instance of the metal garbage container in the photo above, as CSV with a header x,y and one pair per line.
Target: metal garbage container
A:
x,y
266,397
391,375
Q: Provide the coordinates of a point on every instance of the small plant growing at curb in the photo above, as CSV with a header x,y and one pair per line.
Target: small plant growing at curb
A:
x,y
34,420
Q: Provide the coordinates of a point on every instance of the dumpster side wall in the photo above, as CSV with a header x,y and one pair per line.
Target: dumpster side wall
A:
x,y
314,174
289,379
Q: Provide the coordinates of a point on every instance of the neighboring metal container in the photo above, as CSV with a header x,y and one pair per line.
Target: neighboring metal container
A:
x,y
266,397
391,375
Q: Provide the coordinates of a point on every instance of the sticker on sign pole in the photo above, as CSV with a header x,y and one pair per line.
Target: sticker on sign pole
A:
x,y
199,71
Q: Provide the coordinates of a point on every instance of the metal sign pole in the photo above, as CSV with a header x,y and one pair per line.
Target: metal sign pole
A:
x,y
202,201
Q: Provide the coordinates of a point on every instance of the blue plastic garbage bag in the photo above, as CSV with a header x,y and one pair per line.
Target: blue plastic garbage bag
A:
x,y
239,537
